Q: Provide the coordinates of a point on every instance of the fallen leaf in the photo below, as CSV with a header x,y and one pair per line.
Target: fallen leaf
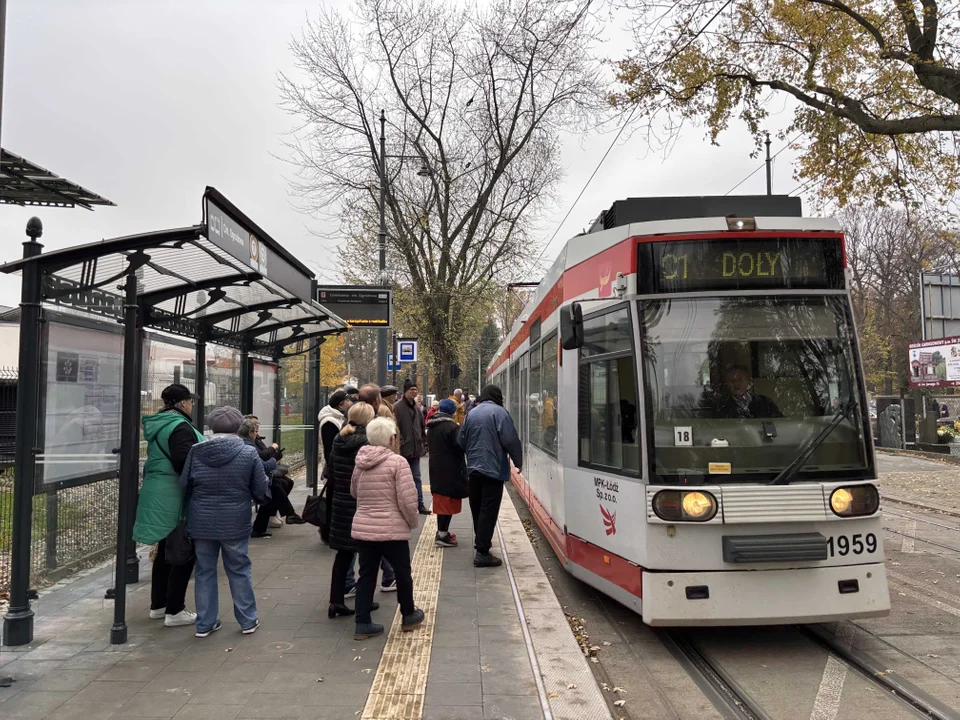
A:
x,y
319,679
571,686
620,691
552,694
594,660
932,655
229,650
367,670
606,643
357,658
619,703
594,648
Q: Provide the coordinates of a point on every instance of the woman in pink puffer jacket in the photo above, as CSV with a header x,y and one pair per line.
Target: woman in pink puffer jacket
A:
x,y
386,513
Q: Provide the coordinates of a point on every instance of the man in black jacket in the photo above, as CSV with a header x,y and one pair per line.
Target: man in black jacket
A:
x,y
413,434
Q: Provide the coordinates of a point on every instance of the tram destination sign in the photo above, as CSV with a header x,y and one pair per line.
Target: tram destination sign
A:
x,y
739,264
360,306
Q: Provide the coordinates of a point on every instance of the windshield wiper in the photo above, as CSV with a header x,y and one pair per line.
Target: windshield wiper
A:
x,y
790,471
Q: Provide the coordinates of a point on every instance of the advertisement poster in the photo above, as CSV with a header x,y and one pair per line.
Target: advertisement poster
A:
x,y
935,363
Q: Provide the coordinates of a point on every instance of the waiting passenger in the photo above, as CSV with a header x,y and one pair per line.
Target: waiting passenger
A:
x,y
448,470
737,399
221,478
386,498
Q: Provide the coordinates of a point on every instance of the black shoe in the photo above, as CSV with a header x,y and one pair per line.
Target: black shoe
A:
x,y
423,510
486,560
256,534
367,631
337,609
409,622
295,519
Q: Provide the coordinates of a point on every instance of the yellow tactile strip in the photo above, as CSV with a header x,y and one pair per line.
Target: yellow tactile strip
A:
x,y
401,680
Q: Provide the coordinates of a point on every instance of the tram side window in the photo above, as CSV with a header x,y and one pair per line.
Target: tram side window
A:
x,y
514,395
548,396
535,399
608,408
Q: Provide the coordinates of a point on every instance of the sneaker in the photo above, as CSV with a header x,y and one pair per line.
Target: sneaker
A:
x,y
295,519
158,613
486,560
409,622
274,522
204,633
423,510
351,593
261,535
445,540
389,587
365,631
184,617
251,630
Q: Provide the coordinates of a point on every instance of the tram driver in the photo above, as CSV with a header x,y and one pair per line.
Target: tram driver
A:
x,y
736,399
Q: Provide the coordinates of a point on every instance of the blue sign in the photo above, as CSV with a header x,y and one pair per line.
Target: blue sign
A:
x,y
390,363
408,350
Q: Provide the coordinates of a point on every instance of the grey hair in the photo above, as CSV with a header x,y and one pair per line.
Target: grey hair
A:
x,y
380,430
248,428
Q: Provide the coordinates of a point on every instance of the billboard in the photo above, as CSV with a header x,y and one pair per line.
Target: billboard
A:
x,y
935,363
360,306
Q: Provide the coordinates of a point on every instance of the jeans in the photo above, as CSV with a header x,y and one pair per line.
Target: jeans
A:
x,y
388,575
236,563
397,553
168,587
415,470
485,496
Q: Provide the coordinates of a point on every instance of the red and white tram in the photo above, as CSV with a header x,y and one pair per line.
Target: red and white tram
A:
x,y
691,401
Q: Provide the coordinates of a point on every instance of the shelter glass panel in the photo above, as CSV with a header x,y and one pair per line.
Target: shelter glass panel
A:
x,y
264,398
82,391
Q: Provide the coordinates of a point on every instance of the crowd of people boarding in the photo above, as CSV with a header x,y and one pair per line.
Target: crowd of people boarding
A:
x,y
204,498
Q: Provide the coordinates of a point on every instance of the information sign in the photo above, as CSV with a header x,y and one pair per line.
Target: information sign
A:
x,y
360,306
407,349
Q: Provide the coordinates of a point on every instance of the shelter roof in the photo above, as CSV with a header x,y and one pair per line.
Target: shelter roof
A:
x,y
25,183
225,281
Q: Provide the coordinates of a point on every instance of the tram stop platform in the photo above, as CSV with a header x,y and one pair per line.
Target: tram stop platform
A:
x,y
495,644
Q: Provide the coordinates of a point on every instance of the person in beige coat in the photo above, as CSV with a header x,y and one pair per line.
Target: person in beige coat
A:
x,y
386,513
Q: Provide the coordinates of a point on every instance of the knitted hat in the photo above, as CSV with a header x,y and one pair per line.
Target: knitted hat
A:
x,y
409,383
448,406
224,419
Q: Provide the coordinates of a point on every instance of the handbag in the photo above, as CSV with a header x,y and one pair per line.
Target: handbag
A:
x,y
315,510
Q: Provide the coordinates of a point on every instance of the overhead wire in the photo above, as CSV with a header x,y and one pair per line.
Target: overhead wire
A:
x,y
623,127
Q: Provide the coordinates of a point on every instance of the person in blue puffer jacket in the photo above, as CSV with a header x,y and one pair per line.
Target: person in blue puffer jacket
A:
x,y
221,478
490,441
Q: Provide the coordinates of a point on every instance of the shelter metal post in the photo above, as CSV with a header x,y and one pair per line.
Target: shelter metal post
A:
x,y
382,242
277,402
199,410
133,560
246,382
312,409
395,358
18,622
129,454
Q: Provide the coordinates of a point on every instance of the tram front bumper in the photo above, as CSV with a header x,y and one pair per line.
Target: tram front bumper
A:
x,y
765,597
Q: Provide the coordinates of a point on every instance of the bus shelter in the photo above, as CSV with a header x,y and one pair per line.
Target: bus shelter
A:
x,y
225,282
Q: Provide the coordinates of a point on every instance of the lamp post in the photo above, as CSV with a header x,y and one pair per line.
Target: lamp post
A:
x,y
424,171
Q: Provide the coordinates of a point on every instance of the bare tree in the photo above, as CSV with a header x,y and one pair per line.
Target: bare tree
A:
x,y
886,251
476,94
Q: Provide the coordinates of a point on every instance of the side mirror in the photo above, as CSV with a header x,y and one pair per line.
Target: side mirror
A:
x,y
571,326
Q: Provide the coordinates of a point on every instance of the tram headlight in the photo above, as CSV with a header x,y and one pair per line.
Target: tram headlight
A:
x,y
855,500
689,505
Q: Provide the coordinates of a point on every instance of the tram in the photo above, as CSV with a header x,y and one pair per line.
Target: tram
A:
x,y
688,388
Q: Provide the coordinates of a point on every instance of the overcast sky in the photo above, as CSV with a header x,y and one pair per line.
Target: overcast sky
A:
x,y
148,102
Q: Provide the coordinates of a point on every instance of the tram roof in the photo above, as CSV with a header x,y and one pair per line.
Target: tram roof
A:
x,y
236,287
584,246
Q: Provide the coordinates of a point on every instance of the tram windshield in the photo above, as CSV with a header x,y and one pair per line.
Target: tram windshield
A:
x,y
736,386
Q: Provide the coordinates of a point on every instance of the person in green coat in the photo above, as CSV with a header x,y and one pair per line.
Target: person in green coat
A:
x,y
169,434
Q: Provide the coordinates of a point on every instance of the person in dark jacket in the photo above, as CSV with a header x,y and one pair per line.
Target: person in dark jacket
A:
x,y
490,441
279,502
343,458
738,400
448,470
169,434
333,416
413,432
220,479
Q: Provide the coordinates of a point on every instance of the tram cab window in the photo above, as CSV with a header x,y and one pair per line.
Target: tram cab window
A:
x,y
736,385
608,413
